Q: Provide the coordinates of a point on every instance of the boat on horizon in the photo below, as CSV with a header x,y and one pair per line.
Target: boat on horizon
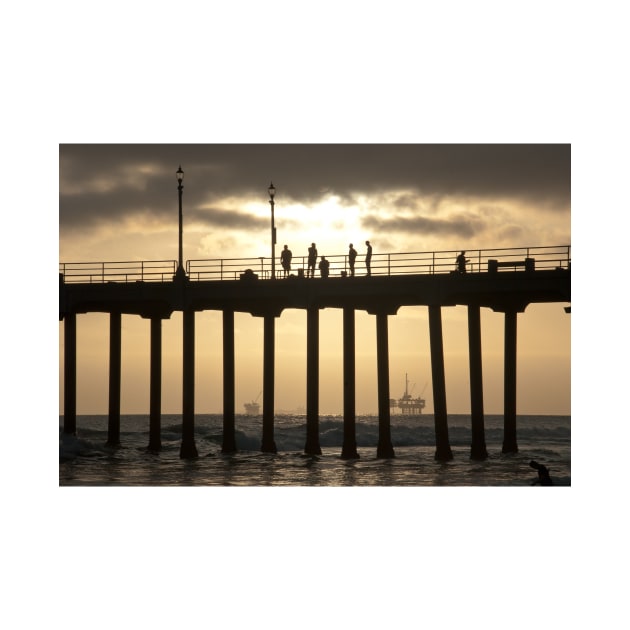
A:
x,y
253,408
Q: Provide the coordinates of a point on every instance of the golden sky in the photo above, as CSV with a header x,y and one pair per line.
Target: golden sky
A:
x,y
120,203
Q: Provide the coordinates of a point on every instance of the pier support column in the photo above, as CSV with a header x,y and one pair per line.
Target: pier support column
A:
x,y
70,374
188,449
349,448
312,446
268,443
155,396
384,448
229,436
509,376
443,448
113,427
478,445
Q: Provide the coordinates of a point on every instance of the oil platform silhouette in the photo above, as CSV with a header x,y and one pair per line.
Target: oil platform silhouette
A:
x,y
408,405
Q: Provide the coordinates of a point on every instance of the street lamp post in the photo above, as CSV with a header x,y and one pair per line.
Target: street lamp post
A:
x,y
180,273
272,194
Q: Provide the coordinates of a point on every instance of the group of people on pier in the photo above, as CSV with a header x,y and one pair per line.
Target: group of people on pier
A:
x,y
324,265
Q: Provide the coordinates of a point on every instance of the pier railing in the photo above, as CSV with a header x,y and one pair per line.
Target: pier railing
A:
x,y
121,271
388,264
382,264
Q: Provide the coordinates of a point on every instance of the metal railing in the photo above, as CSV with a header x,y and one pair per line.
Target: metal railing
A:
x,y
121,271
388,264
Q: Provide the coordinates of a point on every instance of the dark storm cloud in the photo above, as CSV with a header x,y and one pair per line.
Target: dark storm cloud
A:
x,y
464,228
215,217
106,182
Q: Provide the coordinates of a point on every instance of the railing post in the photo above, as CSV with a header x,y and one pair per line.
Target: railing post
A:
x,y
389,265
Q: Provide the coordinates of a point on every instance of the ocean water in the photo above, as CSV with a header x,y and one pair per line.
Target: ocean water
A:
x,y
304,542
85,460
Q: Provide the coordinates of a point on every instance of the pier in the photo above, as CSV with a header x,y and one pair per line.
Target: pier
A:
x,y
503,280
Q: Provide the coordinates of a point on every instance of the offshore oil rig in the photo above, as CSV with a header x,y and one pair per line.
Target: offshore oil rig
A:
x,y
408,405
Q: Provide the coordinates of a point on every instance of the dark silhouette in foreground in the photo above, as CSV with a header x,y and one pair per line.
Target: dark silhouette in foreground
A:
x,y
285,260
543,474
461,262
352,256
312,259
368,258
323,267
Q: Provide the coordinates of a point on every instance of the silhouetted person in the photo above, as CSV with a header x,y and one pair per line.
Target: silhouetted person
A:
x,y
352,256
324,267
368,258
461,261
543,474
312,259
285,260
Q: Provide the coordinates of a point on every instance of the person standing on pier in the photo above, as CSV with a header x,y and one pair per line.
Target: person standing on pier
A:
x,y
324,267
285,260
368,258
352,256
461,261
312,259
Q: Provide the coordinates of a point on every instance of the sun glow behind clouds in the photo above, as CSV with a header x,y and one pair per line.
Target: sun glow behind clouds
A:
x,y
393,221
328,223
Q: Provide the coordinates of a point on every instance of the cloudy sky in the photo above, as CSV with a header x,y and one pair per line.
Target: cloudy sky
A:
x,y
120,202
401,197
